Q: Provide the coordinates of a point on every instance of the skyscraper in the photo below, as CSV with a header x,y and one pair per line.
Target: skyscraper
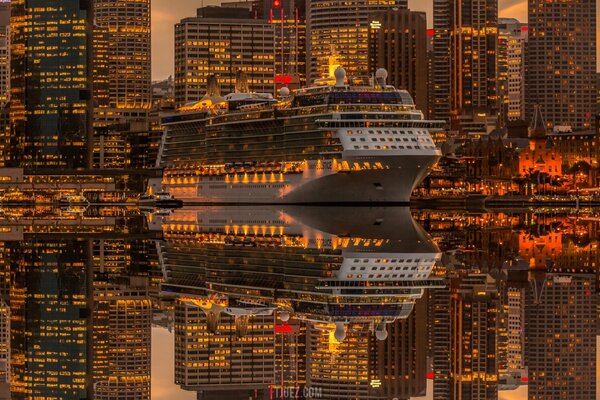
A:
x,y
341,28
398,43
561,61
465,45
511,69
222,41
128,25
50,83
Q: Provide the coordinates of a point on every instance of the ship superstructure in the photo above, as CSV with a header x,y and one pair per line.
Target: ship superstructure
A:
x,y
352,141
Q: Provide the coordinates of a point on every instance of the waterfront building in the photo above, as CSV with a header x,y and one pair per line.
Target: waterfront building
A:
x,y
128,25
341,29
512,38
223,41
51,96
541,156
465,47
398,43
561,62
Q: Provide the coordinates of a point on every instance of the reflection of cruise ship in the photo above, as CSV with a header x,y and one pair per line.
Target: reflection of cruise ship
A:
x,y
339,143
314,265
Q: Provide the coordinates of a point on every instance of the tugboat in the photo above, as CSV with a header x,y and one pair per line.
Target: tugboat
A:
x,y
162,200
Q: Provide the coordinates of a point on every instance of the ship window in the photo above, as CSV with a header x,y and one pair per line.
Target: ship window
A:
x,y
409,147
353,139
362,139
365,147
357,147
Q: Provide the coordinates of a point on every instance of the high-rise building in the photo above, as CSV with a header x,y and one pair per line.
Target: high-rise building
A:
x,y
4,52
465,45
128,25
51,99
341,29
398,43
561,61
560,336
222,41
512,38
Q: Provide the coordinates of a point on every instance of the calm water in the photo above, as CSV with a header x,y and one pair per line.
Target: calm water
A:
x,y
298,302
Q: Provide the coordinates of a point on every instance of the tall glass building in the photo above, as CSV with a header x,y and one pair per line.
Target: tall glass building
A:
x,y
50,85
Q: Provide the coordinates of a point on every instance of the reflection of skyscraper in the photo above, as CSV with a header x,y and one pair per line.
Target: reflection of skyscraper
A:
x,y
560,336
50,319
50,85
466,367
121,340
238,357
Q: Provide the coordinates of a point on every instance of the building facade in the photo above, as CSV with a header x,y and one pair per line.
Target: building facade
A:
x,y
129,38
512,38
561,61
222,41
51,95
340,28
465,47
398,43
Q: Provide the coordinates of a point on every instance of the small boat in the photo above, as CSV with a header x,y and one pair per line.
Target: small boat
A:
x,y
74,200
160,200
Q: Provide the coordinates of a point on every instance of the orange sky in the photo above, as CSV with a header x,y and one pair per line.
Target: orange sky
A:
x,y
166,13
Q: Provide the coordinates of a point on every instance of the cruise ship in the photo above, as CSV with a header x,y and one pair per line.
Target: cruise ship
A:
x,y
312,264
341,141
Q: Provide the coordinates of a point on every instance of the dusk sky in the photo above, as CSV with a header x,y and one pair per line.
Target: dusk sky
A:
x,y
166,13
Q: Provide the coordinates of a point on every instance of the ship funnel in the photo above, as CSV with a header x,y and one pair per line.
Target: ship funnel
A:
x,y
212,87
241,82
381,76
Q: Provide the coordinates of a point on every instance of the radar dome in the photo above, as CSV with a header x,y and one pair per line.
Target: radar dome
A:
x,y
340,332
381,73
284,91
381,333
340,75
284,316
381,76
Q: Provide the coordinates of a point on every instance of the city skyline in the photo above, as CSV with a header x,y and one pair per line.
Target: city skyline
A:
x,y
165,16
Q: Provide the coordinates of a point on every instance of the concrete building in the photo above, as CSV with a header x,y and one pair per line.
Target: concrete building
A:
x,y
561,62
341,29
222,41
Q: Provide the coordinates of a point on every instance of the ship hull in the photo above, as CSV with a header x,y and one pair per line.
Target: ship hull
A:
x,y
392,184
